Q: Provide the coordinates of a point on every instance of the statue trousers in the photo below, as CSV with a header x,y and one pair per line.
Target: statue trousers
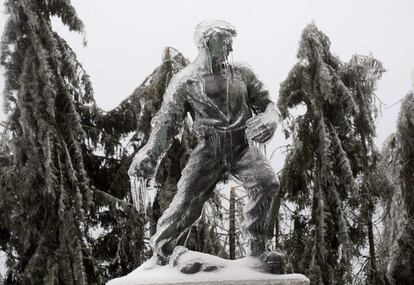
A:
x,y
216,155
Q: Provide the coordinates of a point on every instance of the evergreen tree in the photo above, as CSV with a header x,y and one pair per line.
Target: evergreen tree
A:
x,y
332,143
46,193
396,180
360,75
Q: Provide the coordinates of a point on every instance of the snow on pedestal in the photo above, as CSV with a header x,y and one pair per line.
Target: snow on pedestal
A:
x,y
232,272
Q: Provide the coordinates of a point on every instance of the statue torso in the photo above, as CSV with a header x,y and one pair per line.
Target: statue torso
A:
x,y
222,103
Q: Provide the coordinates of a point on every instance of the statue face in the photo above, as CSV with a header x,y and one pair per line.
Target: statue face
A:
x,y
220,45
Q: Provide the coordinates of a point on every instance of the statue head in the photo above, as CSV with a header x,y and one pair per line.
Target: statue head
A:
x,y
215,38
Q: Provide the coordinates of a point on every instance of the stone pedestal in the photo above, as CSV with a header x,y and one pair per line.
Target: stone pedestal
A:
x,y
288,279
231,272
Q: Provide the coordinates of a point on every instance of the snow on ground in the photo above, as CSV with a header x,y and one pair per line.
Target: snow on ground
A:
x,y
3,267
233,270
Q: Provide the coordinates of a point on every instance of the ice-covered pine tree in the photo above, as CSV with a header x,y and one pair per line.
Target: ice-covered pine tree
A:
x,y
327,170
45,192
361,75
397,179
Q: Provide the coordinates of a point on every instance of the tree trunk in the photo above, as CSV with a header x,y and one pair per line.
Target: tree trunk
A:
x,y
232,224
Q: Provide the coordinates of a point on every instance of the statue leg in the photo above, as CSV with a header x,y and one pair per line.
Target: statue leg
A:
x,y
254,172
195,187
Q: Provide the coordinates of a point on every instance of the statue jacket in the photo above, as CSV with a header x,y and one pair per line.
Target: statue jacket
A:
x,y
218,103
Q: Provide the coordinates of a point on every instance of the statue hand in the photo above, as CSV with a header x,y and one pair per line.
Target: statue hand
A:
x,y
261,127
142,166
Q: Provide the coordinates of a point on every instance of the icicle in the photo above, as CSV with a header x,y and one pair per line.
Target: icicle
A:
x,y
262,148
151,193
226,67
209,61
138,192
143,193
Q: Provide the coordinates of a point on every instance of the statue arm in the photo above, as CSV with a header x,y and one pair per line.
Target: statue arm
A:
x,y
165,125
261,127
259,97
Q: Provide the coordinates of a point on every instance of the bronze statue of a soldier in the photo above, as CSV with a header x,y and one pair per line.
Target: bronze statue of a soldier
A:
x,y
231,110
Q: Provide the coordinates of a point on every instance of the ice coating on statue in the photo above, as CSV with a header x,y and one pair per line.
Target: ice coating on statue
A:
x,y
232,110
190,79
207,29
191,73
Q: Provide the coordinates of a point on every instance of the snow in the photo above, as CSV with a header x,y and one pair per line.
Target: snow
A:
x,y
3,267
230,270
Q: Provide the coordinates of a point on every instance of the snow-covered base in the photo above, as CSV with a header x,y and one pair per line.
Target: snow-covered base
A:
x,y
240,272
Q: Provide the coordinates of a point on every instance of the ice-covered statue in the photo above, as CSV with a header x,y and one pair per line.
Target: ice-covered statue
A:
x,y
232,111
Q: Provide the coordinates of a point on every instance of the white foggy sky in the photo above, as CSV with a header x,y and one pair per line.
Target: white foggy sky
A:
x,y
126,39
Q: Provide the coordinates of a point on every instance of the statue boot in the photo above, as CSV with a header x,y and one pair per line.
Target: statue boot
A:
x,y
190,262
269,261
